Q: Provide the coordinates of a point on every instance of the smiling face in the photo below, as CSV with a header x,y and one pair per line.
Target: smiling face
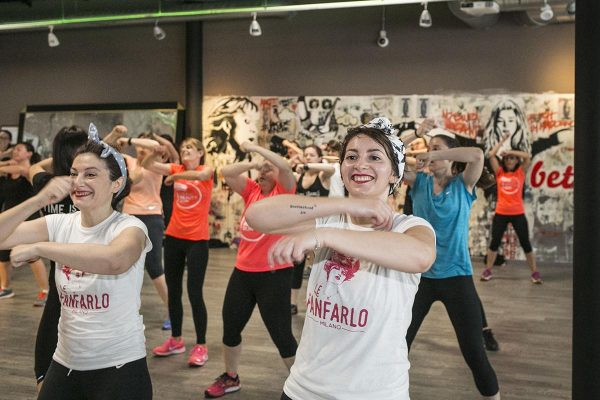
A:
x,y
366,169
190,154
92,187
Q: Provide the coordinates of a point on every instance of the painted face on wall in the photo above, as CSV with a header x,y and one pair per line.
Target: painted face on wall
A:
x,y
246,126
507,122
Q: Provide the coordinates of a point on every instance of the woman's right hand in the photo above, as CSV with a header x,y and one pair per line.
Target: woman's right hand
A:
x,y
377,211
57,189
247,147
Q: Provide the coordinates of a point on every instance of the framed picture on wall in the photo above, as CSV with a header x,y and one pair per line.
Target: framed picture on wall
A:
x,y
39,124
14,131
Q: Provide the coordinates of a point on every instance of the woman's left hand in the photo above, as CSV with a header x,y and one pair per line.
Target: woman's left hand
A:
x,y
23,254
292,248
423,160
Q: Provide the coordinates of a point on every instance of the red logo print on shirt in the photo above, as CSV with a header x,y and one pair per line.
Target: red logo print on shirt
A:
x,y
341,266
68,270
187,195
509,185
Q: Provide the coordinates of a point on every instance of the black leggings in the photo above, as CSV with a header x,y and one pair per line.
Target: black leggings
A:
x,y
462,303
156,230
177,251
298,274
519,223
128,382
47,334
271,291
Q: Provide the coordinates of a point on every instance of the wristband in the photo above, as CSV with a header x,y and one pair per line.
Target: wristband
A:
x,y
129,141
305,167
317,242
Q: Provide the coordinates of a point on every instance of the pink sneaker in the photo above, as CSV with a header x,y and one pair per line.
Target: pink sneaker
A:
x,y
223,385
198,356
486,275
169,347
536,278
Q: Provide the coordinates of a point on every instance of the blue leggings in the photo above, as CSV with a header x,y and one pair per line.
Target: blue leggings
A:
x,y
462,303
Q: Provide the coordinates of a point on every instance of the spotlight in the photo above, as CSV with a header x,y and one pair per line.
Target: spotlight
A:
x,y
425,20
159,33
52,39
571,7
255,27
546,12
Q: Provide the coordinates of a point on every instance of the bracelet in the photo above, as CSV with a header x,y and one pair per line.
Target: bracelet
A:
x,y
129,141
306,167
318,243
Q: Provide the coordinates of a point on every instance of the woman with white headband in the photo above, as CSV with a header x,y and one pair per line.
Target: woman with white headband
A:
x,y
365,276
99,255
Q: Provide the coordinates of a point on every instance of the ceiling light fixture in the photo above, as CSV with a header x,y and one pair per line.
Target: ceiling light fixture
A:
x,y
382,41
52,39
571,7
425,19
159,33
546,12
255,26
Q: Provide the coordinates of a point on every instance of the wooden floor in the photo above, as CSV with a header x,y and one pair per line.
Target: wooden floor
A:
x,y
531,322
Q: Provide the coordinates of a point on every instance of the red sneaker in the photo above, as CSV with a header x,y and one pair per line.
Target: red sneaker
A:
x,y
169,347
223,385
40,300
198,356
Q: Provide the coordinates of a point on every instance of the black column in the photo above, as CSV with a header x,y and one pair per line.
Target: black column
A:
x,y
586,243
193,79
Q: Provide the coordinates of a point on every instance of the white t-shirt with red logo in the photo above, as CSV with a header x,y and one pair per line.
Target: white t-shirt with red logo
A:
x,y
353,344
100,324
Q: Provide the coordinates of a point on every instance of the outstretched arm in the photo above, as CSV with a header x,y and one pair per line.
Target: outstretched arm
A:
x,y
473,156
13,229
193,175
111,259
42,166
412,251
524,156
286,175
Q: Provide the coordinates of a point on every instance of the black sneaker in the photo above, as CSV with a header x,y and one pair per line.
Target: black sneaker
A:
x,y
489,342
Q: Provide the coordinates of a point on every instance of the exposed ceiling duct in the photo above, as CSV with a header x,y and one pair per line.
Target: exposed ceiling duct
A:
x,y
525,12
36,14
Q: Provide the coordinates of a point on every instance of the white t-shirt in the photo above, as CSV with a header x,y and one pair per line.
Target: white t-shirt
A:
x,y
336,185
100,325
353,344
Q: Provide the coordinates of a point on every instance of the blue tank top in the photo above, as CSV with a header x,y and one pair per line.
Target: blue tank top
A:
x,y
448,212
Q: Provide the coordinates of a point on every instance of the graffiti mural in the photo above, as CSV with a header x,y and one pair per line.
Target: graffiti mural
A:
x,y
541,124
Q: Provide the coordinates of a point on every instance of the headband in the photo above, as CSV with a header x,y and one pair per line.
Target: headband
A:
x,y
108,151
384,125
